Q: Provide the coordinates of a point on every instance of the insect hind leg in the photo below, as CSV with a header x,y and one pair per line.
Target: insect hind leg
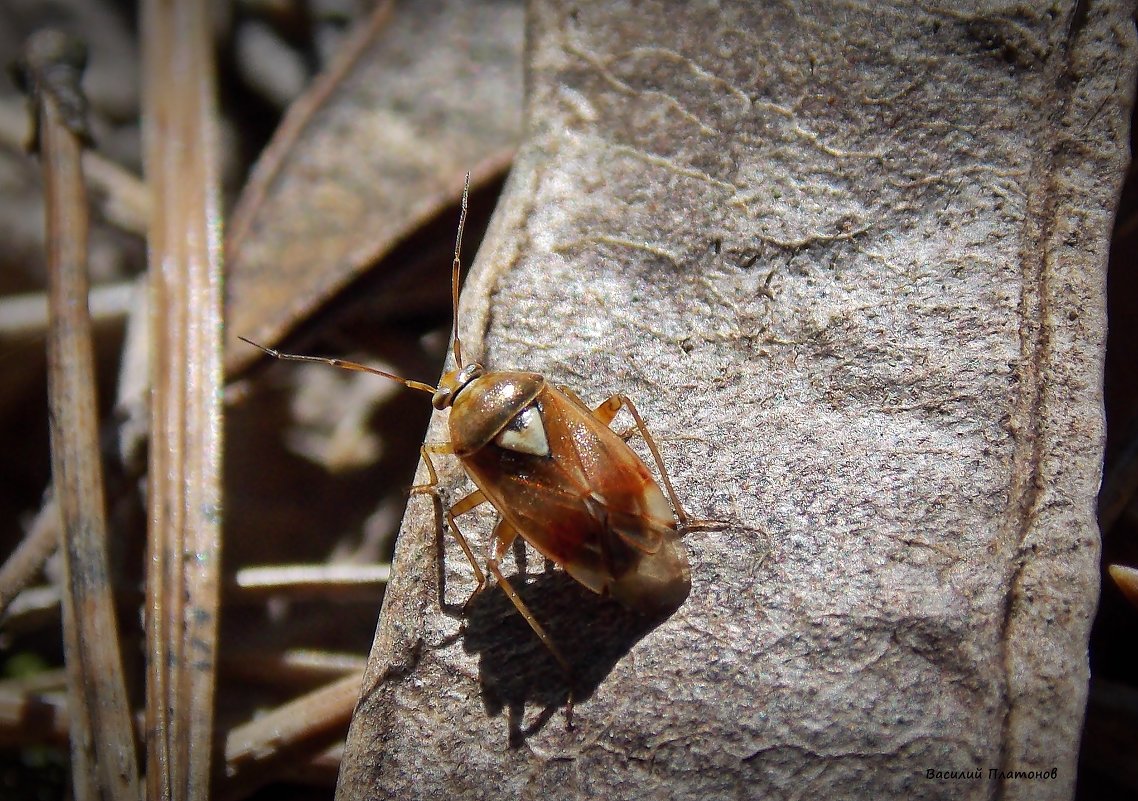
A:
x,y
607,411
504,537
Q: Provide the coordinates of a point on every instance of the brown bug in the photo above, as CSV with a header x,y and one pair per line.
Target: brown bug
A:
x,y
558,476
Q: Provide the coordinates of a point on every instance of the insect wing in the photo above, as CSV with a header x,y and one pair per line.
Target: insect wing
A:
x,y
635,505
582,504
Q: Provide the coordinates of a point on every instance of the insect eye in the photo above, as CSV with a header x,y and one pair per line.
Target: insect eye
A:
x,y
525,433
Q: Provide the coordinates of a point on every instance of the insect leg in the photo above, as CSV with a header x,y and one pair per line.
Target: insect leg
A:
x,y
432,477
461,507
608,408
471,501
504,536
607,411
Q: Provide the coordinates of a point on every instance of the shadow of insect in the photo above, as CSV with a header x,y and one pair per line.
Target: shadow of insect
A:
x,y
517,671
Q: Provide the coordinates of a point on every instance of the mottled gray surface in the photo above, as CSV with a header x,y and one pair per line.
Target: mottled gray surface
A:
x,y
849,261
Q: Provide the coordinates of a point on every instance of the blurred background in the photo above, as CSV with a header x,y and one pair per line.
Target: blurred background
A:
x,y
318,462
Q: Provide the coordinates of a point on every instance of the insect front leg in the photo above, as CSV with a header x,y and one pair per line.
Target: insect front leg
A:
x,y
471,501
432,477
607,411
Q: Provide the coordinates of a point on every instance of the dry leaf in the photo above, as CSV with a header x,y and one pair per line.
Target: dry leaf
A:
x,y
378,147
850,264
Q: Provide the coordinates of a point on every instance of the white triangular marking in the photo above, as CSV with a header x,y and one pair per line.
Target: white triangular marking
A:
x,y
525,434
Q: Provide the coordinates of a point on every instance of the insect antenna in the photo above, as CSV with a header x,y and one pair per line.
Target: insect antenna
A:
x,y
343,364
455,270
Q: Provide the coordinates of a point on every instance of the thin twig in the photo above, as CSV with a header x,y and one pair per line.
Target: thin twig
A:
x,y
34,609
121,197
32,718
298,731
102,734
337,581
184,537
1127,580
26,562
26,315
33,710
291,668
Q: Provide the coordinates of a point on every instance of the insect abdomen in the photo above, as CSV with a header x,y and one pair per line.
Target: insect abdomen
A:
x,y
589,504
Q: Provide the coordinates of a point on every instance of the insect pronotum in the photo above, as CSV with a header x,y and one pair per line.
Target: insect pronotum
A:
x,y
558,476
